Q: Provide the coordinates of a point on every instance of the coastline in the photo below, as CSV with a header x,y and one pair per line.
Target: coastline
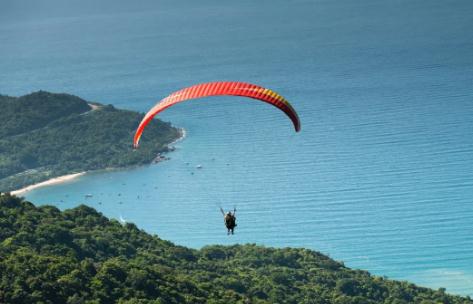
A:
x,y
49,182
72,176
183,135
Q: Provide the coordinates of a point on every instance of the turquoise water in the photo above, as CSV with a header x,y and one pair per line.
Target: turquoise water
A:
x,y
381,175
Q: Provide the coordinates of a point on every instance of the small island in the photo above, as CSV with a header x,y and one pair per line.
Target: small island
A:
x,y
45,135
80,256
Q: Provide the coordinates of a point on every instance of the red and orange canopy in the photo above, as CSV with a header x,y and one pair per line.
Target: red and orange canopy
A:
x,y
233,88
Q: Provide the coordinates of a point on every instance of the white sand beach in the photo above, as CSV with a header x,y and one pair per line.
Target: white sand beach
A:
x,y
52,181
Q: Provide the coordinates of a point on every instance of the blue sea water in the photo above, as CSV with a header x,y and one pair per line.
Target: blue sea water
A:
x,y
381,175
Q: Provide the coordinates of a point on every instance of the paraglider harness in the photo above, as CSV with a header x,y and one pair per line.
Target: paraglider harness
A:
x,y
229,220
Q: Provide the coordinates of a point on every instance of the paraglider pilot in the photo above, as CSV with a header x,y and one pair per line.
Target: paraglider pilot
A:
x,y
230,220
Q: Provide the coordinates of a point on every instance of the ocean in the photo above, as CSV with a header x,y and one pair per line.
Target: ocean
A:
x,y
381,175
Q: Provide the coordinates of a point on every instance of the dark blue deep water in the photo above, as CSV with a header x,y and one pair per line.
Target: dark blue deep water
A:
x,y
381,175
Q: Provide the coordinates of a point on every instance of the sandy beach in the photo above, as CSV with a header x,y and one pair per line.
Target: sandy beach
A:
x,y
49,182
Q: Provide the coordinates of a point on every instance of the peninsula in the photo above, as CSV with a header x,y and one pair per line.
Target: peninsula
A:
x,y
45,135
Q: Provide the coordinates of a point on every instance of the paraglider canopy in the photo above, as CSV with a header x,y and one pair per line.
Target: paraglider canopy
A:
x,y
233,88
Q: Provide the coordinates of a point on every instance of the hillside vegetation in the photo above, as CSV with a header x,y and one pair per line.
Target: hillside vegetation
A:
x,y
79,256
44,135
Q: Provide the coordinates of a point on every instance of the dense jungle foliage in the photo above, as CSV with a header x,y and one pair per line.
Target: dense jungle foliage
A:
x,y
79,256
44,135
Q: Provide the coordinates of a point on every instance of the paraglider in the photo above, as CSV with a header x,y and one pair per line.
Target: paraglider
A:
x,y
233,88
229,219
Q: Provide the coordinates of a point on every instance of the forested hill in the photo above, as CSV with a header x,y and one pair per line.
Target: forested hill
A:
x,y
79,256
44,135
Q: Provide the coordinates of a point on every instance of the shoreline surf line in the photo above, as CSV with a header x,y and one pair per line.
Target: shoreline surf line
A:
x,y
182,133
